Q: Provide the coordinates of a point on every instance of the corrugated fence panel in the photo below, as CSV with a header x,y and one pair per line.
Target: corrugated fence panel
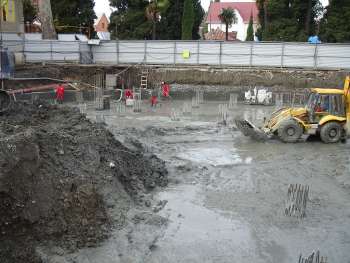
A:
x,y
65,51
299,55
267,54
131,51
235,54
106,52
183,47
160,52
37,51
209,53
329,56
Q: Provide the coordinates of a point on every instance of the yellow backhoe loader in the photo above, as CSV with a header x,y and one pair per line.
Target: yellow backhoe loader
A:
x,y
326,114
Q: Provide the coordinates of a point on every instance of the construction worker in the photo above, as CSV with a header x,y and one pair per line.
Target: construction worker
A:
x,y
165,89
60,94
154,97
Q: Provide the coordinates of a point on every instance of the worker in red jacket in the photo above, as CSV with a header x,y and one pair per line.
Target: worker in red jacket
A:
x,y
60,93
165,89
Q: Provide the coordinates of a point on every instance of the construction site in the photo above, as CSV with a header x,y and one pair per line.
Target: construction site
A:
x,y
137,163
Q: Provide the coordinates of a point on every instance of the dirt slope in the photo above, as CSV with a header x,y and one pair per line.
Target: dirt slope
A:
x,y
60,176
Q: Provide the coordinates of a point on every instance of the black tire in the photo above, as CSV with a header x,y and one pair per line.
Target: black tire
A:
x,y
331,132
290,131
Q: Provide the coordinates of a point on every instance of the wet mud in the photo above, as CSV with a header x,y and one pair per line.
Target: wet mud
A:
x,y
226,195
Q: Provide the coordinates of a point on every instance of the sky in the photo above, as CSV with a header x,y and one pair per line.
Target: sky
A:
x,y
102,6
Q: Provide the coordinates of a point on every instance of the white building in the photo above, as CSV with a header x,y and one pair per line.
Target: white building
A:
x,y
243,9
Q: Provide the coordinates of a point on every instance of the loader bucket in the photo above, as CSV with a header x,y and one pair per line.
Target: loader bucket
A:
x,y
5,101
250,130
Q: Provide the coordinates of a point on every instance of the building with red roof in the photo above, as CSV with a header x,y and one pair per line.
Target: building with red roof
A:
x,y
243,9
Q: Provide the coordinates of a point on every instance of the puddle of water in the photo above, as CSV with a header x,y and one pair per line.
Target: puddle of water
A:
x,y
211,156
196,234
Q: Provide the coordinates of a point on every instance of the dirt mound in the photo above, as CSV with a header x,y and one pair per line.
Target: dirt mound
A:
x,y
60,176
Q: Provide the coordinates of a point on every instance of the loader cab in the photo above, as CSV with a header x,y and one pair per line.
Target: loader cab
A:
x,y
324,103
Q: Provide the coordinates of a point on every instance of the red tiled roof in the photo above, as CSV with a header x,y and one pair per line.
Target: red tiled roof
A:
x,y
218,34
244,9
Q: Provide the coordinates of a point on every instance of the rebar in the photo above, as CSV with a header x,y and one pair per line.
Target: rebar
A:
x,y
278,100
99,98
137,105
121,109
175,115
100,118
297,198
223,113
233,100
82,108
187,108
79,98
34,98
195,102
313,258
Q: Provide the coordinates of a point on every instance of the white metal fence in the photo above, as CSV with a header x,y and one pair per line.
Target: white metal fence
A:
x,y
215,53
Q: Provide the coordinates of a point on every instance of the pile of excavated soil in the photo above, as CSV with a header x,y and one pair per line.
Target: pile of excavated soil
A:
x,y
61,179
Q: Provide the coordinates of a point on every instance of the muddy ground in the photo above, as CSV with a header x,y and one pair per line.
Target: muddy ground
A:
x,y
226,195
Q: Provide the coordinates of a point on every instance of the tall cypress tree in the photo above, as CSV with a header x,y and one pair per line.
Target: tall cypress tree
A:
x,y
187,20
250,30
335,26
170,25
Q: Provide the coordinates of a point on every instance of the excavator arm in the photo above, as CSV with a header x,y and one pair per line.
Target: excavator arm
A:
x,y
347,102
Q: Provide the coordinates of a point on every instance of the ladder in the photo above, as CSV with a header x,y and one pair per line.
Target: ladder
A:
x,y
144,79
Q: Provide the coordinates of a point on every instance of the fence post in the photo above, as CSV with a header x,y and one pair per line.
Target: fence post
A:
x,y
51,55
117,47
282,55
316,56
197,52
220,54
145,53
251,54
80,55
175,51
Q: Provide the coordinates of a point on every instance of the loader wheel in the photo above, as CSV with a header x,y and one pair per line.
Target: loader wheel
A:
x,y
289,131
331,132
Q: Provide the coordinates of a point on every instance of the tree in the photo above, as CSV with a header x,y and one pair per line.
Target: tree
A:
x,y
187,20
287,20
335,26
129,21
170,26
198,19
45,16
71,16
228,17
250,30
29,11
153,12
